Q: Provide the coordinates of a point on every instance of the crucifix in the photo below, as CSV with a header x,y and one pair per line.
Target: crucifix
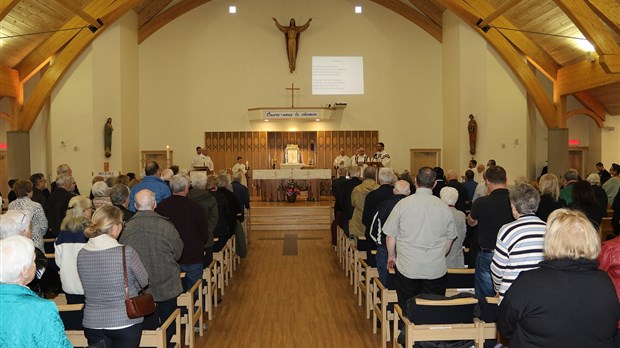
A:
x,y
292,89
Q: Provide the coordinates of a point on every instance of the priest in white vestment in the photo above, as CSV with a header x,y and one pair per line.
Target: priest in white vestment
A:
x,y
241,167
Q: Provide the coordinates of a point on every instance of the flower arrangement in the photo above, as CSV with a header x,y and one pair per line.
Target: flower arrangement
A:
x,y
292,188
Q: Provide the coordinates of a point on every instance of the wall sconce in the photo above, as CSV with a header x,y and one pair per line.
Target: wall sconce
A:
x,y
590,56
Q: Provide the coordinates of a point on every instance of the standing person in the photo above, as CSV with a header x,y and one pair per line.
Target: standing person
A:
x,y
190,221
119,195
240,167
470,186
12,195
479,174
421,228
401,190
602,173
489,213
519,245
28,320
550,200
374,198
599,193
381,155
345,198
159,246
40,193
23,190
207,201
70,241
570,178
64,169
585,201
452,181
360,158
612,186
207,161
198,159
100,266
241,192
342,160
568,301
358,199
58,201
455,258
151,182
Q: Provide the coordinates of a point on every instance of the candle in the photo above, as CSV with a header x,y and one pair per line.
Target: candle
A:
x,y
247,164
167,152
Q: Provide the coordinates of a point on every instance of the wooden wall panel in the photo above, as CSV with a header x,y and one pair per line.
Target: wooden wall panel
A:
x,y
261,148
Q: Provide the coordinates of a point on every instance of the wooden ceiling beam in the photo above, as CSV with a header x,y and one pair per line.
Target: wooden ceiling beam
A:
x,y
81,13
608,11
64,60
44,52
590,102
583,76
9,82
429,9
513,58
498,12
600,123
150,10
414,16
6,7
167,16
590,26
534,54
610,63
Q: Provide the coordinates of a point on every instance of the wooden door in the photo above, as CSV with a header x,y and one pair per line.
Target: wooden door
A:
x,y
157,156
577,159
424,158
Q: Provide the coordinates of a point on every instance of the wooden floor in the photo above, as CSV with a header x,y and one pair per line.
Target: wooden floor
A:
x,y
301,300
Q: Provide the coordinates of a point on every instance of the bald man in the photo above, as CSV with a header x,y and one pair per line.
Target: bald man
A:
x,y
342,160
159,246
401,190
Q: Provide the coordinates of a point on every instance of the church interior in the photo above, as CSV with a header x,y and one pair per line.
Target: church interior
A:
x,y
541,78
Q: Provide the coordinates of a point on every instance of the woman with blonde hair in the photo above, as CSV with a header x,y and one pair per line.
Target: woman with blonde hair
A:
x,y
68,244
550,200
100,266
568,301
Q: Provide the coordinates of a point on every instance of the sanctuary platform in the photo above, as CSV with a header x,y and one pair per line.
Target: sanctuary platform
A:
x,y
297,216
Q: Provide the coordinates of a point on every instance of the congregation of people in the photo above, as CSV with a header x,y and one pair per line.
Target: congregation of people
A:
x,y
155,230
535,245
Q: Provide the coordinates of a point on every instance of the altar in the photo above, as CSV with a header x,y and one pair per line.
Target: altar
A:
x,y
271,183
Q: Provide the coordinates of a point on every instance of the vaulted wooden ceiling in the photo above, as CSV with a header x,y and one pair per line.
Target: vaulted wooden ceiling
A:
x,y
48,35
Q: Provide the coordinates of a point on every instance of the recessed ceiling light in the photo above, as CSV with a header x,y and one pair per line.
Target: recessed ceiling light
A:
x,y
358,9
232,9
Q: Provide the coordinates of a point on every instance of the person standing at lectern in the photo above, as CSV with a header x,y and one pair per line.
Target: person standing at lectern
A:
x,y
207,160
198,159
342,161
381,155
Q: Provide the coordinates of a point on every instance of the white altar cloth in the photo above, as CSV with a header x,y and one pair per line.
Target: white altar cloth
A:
x,y
298,174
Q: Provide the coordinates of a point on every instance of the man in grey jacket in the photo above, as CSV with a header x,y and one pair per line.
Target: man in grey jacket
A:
x,y
200,195
159,246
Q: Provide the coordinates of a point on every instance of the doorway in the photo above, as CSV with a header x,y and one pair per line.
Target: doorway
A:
x,y
578,159
424,158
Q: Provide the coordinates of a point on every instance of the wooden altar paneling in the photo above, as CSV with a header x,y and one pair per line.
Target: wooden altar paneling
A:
x,y
260,149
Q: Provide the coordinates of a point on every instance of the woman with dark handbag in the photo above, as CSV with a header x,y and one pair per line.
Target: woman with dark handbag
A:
x,y
102,271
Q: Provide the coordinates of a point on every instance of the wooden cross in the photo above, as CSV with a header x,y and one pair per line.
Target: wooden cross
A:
x,y
292,89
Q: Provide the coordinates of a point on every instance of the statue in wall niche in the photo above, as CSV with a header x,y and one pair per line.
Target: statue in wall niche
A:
x,y
107,137
291,36
472,129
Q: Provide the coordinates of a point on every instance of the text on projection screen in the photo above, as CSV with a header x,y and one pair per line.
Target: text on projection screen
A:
x,y
337,75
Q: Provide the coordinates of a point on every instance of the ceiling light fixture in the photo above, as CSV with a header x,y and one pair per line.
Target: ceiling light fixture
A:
x,y
232,9
358,9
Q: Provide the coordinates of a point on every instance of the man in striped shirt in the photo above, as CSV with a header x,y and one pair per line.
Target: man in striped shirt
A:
x,y
519,245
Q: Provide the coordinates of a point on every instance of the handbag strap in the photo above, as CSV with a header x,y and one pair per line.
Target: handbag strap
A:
x,y
125,275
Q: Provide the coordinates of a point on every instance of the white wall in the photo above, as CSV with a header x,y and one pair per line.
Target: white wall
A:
x,y
215,66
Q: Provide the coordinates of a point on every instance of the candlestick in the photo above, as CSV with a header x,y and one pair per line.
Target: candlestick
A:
x,y
167,156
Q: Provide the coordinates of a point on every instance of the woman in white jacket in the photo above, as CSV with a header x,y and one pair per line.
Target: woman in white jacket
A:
x,y
70,241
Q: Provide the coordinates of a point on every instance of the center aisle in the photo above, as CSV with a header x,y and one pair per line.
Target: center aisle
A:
x,y
301,299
